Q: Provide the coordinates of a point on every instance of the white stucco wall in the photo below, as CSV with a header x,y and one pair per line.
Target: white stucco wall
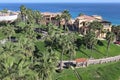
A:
x,y
8,18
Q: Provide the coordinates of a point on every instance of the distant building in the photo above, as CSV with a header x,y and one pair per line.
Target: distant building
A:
x,y
10,16
107,26
50,17
82,24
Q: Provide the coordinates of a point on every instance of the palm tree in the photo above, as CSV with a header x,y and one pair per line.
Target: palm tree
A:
x,y
45,64
8,31
27,46
95,25
90,40
29,32
4,10
71,45
37,16
81,14
30,16
58,18
14,65
23,10
66,16
109,37
116,30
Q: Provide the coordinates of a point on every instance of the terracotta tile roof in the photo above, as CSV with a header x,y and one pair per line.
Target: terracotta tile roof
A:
x,y
86,18
50,13
81,60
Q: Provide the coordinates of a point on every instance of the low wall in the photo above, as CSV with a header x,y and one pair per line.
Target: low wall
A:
x,y
92,61
103,60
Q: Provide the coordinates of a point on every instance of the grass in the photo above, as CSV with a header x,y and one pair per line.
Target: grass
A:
x,y
99,51
109,71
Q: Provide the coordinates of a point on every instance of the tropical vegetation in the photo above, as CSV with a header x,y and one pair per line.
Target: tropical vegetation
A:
x,y
30,50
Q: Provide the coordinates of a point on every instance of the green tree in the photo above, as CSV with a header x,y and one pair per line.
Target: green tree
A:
x,y
116,31
90,40
94,26
66,16
30,16
29,32
109,37
23,10
37,16
81,14
8,31
58,18
4,10
45,64
14,65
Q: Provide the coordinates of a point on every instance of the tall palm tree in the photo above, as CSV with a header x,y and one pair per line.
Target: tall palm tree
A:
x,y
37,16
29,32
109,37
13,64
116,31
58,18
23,10
63,43
8,31
27,46
94,26
90,40
71,45
45,64
66,16
4,10
29,15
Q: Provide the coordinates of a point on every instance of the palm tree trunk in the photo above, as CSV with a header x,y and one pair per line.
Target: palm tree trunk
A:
x,y
61,60
86,46
70,60
108,44
91,47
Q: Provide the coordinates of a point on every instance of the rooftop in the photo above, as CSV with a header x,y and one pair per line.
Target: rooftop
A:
x,y
9,13
81,60
50,14
86,17
89,18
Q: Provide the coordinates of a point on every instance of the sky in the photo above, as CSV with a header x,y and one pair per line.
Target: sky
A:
x,y
57,1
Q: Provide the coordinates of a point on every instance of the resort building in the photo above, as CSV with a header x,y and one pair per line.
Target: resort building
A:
x,y
107,26
82,24
10,16
51,18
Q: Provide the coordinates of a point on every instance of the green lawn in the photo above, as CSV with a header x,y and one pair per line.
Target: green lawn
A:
x,y
109,71
99,51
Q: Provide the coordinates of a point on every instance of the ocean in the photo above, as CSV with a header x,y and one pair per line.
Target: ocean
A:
x,y
109,11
